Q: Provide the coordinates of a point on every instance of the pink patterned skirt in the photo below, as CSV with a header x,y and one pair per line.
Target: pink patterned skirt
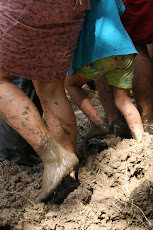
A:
x,y
38,37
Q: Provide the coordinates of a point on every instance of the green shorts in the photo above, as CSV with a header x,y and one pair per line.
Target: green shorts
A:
x,y
117,69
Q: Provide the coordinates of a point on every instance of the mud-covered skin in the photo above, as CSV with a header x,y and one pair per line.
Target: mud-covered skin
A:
x,y
57,162
120,128
148,124
97,130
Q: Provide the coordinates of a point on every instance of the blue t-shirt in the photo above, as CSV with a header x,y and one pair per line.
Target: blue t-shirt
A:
x,y
102,34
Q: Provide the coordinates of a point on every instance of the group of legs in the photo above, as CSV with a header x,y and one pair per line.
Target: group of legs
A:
x,y
37,43
23,116
142,91
115,97
56,153
116,101
54,141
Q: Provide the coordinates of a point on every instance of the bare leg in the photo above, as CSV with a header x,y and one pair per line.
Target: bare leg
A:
x,y
129,111
106,96
117,124
74,86
22,115
59,116
143,81
143,86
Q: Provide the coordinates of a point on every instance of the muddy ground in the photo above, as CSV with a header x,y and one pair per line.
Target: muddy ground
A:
x,y
114,190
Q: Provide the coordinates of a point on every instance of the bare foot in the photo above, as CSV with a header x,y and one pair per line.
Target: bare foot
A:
x,y
120,128
58,163
96,131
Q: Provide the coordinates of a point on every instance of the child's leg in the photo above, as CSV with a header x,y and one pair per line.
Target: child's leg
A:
x,y
74,85
117,124
106,97
129,111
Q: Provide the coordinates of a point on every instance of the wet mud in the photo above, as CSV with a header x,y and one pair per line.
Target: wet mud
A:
x,y
114,188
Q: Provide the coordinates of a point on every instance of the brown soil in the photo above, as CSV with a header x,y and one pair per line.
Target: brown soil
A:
x,y
114,191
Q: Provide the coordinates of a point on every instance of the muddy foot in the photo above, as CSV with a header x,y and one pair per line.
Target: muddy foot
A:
x,y
96,131
120,128
58,163
148,124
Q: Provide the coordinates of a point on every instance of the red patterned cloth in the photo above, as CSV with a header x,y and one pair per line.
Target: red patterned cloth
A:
x,y
138,20
38,37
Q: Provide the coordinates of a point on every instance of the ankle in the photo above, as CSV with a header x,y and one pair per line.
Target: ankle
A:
x,y
48,150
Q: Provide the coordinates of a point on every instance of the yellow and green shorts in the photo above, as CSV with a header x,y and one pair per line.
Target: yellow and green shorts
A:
x,y
117,69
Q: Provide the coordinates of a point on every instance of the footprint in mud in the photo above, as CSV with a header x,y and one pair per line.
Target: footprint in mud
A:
x,y
86,194
90,148
96,146
142,197
67,186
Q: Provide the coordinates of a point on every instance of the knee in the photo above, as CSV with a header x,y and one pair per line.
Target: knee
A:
x,y
69,82
120,101
74,81
48,90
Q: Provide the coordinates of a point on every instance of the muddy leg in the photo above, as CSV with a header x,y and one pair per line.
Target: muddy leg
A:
x,y
22,115
74,86
58,163
20,112
143,86
117,123
96,130
106,96
58,112
129,111
59,115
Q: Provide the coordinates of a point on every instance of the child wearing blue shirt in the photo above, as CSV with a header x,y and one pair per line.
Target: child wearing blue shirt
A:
x,y
104,48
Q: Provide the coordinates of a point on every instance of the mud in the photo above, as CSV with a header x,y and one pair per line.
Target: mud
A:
x,y
114,190
58,163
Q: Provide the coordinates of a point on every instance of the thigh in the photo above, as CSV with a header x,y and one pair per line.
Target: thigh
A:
x,y
76,80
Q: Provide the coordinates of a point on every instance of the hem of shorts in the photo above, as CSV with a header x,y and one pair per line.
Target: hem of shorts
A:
x,y
110,54
124,87
29,78
82,75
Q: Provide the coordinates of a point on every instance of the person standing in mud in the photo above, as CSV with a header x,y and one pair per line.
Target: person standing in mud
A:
x,y
138,22
37,40
109,52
